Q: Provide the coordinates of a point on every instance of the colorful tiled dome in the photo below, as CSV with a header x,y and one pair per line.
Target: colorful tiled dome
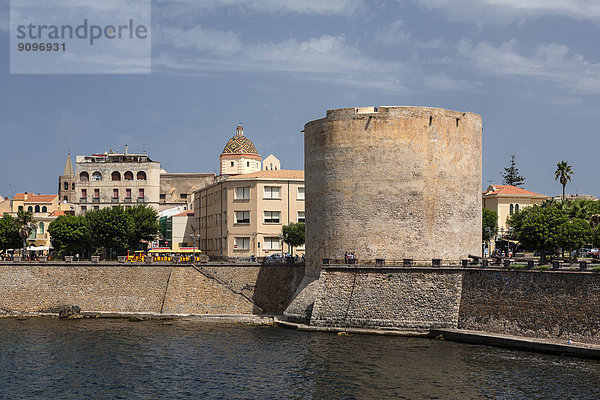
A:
x,y
240,144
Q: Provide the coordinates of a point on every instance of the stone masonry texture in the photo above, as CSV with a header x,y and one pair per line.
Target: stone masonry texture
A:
x,y
535,304
393,183
167,289
386,298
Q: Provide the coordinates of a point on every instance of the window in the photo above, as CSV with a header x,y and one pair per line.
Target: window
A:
x,y
247,163
66,185
272,192
96,193
516,208
163,196
272,243
128,193
141,176
241,243
301,217
73,186
84,177
128,176
83,193
96,176
83,209
183,195
20,208
65,198
44,209
41,228
116,194
242,217
140,193
96,208
37,208
272,217
242,193
30,209
300,194
512,209
232,164
115,176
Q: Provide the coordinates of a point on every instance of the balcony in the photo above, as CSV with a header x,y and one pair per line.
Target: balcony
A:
x,y
83,200
114,199
141,199
127,199
96,200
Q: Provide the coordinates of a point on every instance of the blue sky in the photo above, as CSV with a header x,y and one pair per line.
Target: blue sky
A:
x,y
531,69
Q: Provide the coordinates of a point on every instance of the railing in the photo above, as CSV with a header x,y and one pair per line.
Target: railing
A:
x,y
127,199
522,263
141,199
83,200
96,200
114,199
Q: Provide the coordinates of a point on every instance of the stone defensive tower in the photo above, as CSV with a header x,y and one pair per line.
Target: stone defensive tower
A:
x,y
390,183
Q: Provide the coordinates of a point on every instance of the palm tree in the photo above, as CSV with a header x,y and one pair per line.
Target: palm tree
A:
x,y
563,174
26,225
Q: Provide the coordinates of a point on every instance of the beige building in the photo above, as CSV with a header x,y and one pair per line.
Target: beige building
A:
x,y
506,200
178,189
66,183
45,208
182,230
116,179
243,215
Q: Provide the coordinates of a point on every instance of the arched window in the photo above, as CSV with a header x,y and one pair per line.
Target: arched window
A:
x,y
96,176
115,176
37,208
516,208
128,176
66,185
44,209
141,176
84,177
512,209
30,209
65,198
41,228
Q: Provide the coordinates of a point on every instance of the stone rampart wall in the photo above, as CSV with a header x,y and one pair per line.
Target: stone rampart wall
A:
x,y
168,289
401,298
530,303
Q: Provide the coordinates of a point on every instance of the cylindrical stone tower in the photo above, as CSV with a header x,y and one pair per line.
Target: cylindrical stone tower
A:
x,y
393,183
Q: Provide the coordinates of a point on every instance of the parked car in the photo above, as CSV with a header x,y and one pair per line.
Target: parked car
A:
x,y
589,252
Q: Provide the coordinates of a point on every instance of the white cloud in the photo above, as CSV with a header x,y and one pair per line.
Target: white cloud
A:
x,y
508,10
320,7
324,58
549,62
442,81
393,34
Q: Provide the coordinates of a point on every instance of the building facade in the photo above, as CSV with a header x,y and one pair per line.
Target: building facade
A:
x,y
66,183
177,189
116,179
243,215
506,200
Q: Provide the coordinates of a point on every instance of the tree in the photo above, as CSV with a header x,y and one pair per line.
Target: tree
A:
x,y
574,234
9,233
109,228
541,230
26,225
489,224
511,174
294,235
596,236
70,234
144,225
563,174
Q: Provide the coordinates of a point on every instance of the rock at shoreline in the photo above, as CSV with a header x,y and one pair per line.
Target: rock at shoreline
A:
x,y
69,312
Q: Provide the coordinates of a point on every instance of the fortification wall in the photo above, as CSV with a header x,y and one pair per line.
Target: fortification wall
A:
x,y
535,304
398,298
168,289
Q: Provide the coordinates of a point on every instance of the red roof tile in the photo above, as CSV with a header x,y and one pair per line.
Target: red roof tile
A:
x,y
507,190
35,198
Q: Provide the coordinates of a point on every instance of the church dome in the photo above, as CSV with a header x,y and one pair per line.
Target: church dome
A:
x,y
240,144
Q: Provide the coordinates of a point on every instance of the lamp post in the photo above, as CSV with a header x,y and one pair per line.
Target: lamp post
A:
x,y
194,238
